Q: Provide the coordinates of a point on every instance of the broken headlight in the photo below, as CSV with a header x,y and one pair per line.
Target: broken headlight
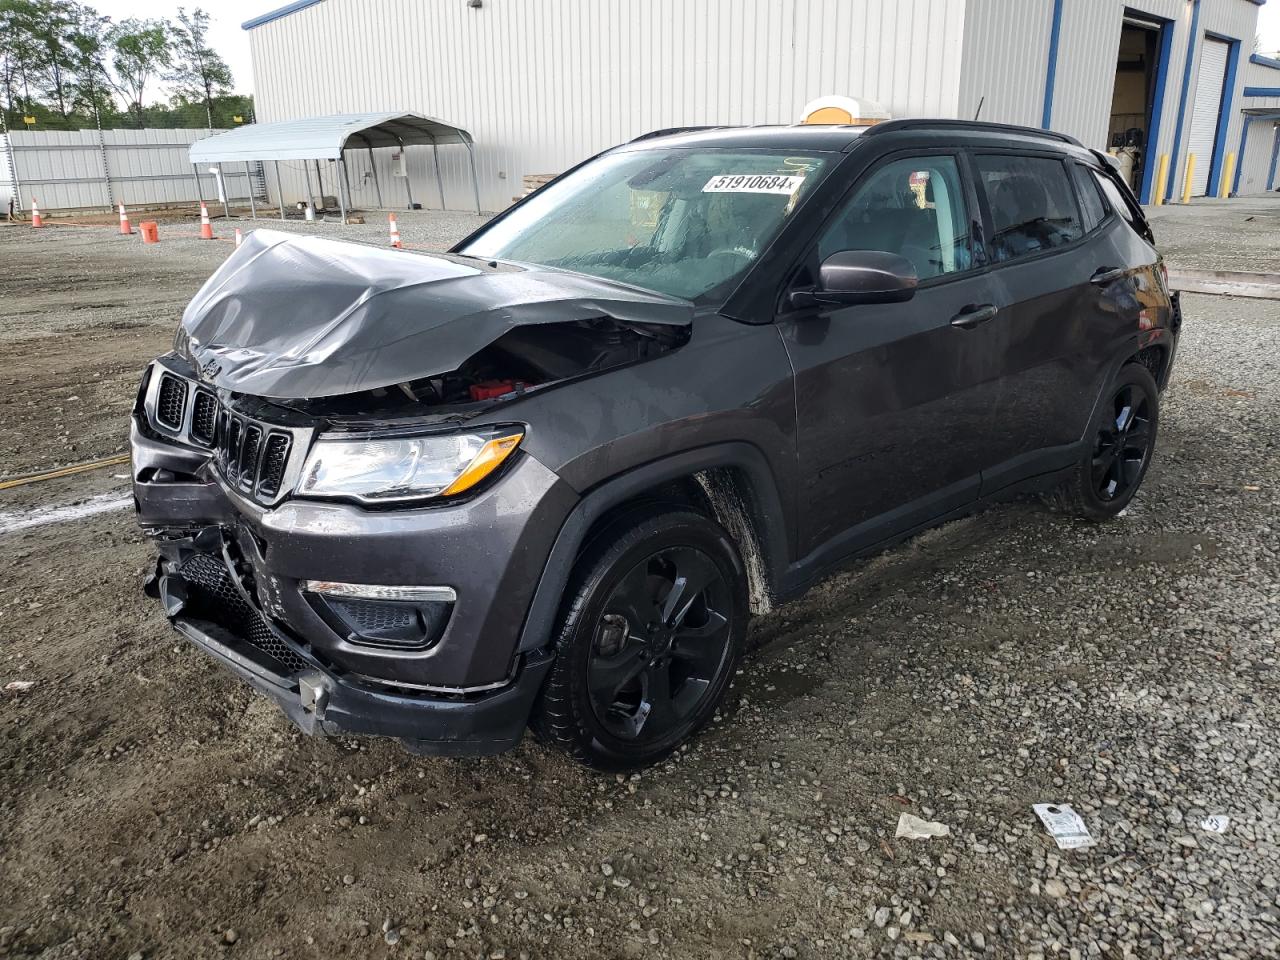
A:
x,y
391,469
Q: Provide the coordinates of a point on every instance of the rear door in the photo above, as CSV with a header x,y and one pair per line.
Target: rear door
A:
x,y
1043,268
894,401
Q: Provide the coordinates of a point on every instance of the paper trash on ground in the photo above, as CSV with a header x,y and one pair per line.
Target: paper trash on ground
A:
x,y
19,686
913,828
1064,825
1217,823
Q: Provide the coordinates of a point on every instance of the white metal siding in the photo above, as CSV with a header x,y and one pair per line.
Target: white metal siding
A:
x,y
1088,46
543,84
1006,54
1206,111
1255,165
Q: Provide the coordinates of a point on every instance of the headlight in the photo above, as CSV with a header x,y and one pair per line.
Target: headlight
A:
x,y
390,469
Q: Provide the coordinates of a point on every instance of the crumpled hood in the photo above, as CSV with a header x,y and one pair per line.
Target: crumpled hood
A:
x,y
298,317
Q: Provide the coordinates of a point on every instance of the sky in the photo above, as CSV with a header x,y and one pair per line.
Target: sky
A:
x,y
225,34
233,43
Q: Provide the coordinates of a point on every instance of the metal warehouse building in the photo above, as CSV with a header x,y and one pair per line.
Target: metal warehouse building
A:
x,y
543,84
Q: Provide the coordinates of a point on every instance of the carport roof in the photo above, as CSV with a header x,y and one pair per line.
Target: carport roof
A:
x,y
322,138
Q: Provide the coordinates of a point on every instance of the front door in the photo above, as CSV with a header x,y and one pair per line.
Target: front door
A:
x,y
894,401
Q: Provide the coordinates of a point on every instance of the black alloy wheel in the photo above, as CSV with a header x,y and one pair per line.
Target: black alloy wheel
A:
x,y
1123,443
1117,451
660,644
653,622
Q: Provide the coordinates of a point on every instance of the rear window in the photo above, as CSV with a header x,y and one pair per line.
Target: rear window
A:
x,y
1033,207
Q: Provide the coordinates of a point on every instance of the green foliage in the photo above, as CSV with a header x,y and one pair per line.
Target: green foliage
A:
x,y
69,67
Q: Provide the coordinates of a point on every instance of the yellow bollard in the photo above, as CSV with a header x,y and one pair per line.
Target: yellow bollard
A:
x,y
1227,170
1186,186
1162,179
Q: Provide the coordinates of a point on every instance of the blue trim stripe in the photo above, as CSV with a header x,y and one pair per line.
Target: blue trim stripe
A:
x,y
1275,155
1213,187
1157,109
1055,33
1262,61
1187,67
1262,91
1244,140
278,13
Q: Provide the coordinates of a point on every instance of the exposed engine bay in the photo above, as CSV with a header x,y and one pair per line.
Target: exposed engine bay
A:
x,y
522,360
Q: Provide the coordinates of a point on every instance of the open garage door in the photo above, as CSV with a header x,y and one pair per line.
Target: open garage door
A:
x,y
1208,107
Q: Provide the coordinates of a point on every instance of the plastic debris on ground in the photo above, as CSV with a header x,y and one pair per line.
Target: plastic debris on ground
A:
x,y
1064,825
913,828
1217,823
19,686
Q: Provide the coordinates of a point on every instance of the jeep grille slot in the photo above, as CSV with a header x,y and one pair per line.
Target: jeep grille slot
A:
x,y
171,403
250,447
204,418
275,457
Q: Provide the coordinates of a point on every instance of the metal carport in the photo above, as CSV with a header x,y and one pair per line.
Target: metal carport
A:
x,y
326,138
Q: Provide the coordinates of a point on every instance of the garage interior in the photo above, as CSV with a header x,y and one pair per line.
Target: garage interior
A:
x,y
1133,98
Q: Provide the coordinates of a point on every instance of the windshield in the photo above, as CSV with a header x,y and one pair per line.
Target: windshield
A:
x,y
681,222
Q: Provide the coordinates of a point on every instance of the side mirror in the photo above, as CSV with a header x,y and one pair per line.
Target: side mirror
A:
x,y
861,276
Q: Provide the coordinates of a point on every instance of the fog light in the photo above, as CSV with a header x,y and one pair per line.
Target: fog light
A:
x,y
374,591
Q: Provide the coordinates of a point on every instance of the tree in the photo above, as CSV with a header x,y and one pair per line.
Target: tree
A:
x,y
92,88
19,53
140,50
199,73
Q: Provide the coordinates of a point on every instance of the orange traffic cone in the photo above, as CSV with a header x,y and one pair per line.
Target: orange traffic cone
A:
x,y
206,228
35,214
395,231
239,237
125,229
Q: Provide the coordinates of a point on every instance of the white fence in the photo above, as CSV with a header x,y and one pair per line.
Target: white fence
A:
x,y
87,169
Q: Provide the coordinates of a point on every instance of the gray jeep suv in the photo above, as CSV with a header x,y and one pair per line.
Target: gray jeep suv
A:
x,y
545,478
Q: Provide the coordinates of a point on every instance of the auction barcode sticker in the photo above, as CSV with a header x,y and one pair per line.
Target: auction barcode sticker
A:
x,y
785,184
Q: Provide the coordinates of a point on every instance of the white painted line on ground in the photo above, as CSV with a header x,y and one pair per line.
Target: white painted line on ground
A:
x,y
42,516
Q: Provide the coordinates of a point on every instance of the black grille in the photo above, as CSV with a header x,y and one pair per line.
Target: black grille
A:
x,y
251,456
250,447
212,596
369,617
274,458
171,402
204,418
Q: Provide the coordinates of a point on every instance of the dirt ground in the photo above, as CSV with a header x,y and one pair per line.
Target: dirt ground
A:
x,y
152,806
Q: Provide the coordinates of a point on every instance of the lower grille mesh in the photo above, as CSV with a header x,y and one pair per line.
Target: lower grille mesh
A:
x,y
213,596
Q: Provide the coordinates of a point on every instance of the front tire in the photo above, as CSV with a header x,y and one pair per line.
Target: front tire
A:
x,y
653,623
1118,452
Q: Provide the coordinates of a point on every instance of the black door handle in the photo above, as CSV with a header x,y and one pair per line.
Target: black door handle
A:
x,y
1104,275
970,317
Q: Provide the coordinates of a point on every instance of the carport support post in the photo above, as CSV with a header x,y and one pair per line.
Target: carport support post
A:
x,y
342,199
306,172
253,204
222,189
373,165
346,175
435,155
195,172
475,181
408,190
279,187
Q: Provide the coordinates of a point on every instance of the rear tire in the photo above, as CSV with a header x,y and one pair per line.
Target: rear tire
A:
x,y
1118,450
652,625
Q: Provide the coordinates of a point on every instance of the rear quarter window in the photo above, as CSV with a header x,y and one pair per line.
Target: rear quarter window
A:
x,y
1033,206
1093,206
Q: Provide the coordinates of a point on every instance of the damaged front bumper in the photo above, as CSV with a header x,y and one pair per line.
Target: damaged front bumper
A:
x,y
320,702
236,577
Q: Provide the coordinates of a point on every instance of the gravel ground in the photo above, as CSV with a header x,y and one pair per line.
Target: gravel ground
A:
x,y
152,806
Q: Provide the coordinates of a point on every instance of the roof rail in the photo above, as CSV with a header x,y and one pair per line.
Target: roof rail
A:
x,y
672,131
925,123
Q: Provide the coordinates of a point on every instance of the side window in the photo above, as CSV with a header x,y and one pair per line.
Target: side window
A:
x,y
1033,207
1093,208
913,207
1115,199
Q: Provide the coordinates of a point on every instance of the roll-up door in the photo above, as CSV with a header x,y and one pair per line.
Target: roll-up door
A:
x,y
1208,107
